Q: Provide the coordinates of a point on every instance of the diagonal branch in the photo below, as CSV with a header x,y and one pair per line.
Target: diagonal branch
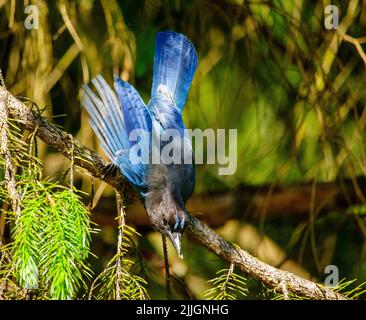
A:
x,y
93,164
357,43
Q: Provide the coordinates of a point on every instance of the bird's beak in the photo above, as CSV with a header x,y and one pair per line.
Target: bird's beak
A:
x,y
176,238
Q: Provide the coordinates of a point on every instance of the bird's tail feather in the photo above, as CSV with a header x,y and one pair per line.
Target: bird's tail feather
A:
x,y
175,63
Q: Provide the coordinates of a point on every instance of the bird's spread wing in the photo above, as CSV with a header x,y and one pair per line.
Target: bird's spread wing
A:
x,y
175,63
135,113
106,117
113,117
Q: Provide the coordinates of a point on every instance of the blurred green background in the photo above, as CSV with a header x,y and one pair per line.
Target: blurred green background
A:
x,y
294,90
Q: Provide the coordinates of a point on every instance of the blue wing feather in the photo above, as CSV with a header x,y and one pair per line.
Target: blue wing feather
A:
x,y
113,118
135,112
103,119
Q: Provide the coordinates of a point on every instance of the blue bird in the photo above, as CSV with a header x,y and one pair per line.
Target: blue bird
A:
x,y
115,115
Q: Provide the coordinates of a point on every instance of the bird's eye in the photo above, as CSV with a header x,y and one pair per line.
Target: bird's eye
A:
x,y
183,224
174,224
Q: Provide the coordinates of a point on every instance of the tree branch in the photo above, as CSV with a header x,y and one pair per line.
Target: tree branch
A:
x,y
93,164
357,43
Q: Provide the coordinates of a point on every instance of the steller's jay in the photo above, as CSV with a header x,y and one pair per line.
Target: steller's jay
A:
x,y
163,188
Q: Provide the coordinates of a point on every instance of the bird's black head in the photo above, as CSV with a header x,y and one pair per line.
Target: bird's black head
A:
x,y
165,207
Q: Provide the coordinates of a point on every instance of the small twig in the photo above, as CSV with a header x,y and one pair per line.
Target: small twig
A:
x,y
70,26
167,272
187,294
357,43
228,275
361,40
12,14
121,226
72,164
